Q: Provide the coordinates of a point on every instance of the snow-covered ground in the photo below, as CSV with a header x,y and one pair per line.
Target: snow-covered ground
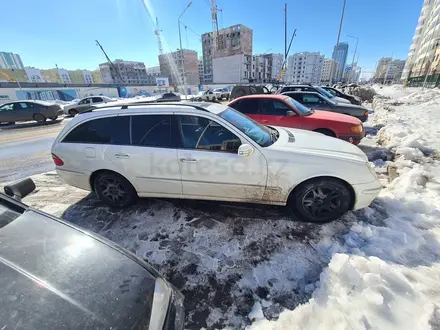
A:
x,y
251,266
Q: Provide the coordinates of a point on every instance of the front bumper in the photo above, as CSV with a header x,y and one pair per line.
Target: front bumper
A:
x,y
366,193
354,139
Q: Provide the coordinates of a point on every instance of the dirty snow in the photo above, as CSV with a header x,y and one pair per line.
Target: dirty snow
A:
x,y
249,266
385,272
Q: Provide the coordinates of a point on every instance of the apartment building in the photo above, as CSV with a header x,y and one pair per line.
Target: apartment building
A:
x,y
10,61
392,69
329,66
234,42
96,76
201,71
154,70
340,53
81,76
425,41
180,65
305,67
128,72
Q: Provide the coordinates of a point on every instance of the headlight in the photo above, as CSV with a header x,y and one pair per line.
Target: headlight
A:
x,y
357,129
366,113
161,300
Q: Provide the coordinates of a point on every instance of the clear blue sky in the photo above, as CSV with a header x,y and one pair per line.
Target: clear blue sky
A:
x,y
49,32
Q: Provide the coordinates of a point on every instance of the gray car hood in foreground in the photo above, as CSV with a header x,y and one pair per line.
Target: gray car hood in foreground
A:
x,y
53,276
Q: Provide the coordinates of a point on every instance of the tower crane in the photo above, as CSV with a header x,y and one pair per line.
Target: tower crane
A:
x,y
158,33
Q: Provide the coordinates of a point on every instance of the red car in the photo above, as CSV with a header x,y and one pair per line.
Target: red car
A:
x,y
282,110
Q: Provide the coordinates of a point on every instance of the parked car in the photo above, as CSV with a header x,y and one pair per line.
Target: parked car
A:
x,y
282,110
29,110
242,90
206,96
210,151
222,93
167,97
318,101
310,88
336,92
55,275
85,104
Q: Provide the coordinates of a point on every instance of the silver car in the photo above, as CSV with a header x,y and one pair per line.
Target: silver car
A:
x,y
29,110
85,104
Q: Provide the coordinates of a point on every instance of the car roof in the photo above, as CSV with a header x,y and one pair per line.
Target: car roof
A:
x,y
300,92
262,96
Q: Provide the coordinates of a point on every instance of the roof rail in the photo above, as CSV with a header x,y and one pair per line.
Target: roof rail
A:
x,y
125,106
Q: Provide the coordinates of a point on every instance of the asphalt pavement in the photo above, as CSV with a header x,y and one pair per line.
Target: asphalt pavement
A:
x,y
25,148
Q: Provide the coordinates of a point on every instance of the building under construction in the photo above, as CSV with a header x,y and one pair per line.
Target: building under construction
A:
x,y
230,49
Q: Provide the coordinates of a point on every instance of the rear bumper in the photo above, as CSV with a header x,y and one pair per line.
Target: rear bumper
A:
x,y
76,179
366,193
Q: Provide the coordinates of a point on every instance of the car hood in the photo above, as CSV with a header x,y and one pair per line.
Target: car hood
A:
x,y
54,276
313,143
340,100
334,116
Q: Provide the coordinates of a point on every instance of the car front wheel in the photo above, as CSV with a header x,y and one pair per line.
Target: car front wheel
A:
x,y
320,200
73,112
114,190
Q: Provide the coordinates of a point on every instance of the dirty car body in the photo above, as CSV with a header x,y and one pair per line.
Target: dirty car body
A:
x,y
202,151
28,110
57,276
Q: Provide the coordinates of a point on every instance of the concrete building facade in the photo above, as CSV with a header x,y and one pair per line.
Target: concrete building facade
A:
x,y
201,71
340,53
231,41
305,67
10,61
392,69
96,76
154,70
128,72
179,65
424,42
329,65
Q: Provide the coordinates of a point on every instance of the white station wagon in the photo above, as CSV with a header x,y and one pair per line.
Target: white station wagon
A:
x,y
211,152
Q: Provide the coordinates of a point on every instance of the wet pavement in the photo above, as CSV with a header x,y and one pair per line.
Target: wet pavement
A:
x,y
25,148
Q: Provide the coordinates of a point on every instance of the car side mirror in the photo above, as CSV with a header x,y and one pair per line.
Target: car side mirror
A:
x,y
20,189
290,113
245,150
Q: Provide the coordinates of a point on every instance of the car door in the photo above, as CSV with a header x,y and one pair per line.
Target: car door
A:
x,y
278,113
7,113
22,112
210,165
151,157
249,107
84,104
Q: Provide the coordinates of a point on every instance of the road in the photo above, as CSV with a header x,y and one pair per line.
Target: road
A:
x,y
25,149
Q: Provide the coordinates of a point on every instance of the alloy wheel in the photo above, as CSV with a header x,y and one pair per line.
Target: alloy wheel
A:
x,y
113,190
320,202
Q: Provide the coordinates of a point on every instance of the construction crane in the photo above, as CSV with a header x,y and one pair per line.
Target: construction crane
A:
x,y
158,33
214,11
110,63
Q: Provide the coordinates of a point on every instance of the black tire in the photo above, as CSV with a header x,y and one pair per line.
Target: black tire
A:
x,y
73,112
39,118
320,200
54,118
114,190
325,131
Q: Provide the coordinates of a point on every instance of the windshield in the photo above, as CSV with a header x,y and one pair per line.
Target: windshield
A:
x,y
325,93
257,132
298,106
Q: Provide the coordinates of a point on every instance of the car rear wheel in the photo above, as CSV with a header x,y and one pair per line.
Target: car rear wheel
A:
x,y
40,118
325,131
320,200
73,112
114,190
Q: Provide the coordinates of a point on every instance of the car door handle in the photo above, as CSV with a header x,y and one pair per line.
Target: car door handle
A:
x,y
188,160
121,155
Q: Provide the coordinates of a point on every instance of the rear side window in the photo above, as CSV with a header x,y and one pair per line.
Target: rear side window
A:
x,y
110,130
97,99
246,106
152,131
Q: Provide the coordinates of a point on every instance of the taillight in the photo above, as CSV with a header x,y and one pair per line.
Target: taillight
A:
x,y
57,160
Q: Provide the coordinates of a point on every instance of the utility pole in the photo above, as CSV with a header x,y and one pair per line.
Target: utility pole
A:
x,y
337,41
180,59
285,32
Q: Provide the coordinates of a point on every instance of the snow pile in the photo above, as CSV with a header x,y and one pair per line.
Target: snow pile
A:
x,y
364,92
385,272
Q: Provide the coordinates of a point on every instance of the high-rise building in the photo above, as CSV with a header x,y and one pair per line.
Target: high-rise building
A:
x,y
234,43
329,65
390,68
425,41
128,72
201,71
10,61
179,65
340,53
265,67
305,67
